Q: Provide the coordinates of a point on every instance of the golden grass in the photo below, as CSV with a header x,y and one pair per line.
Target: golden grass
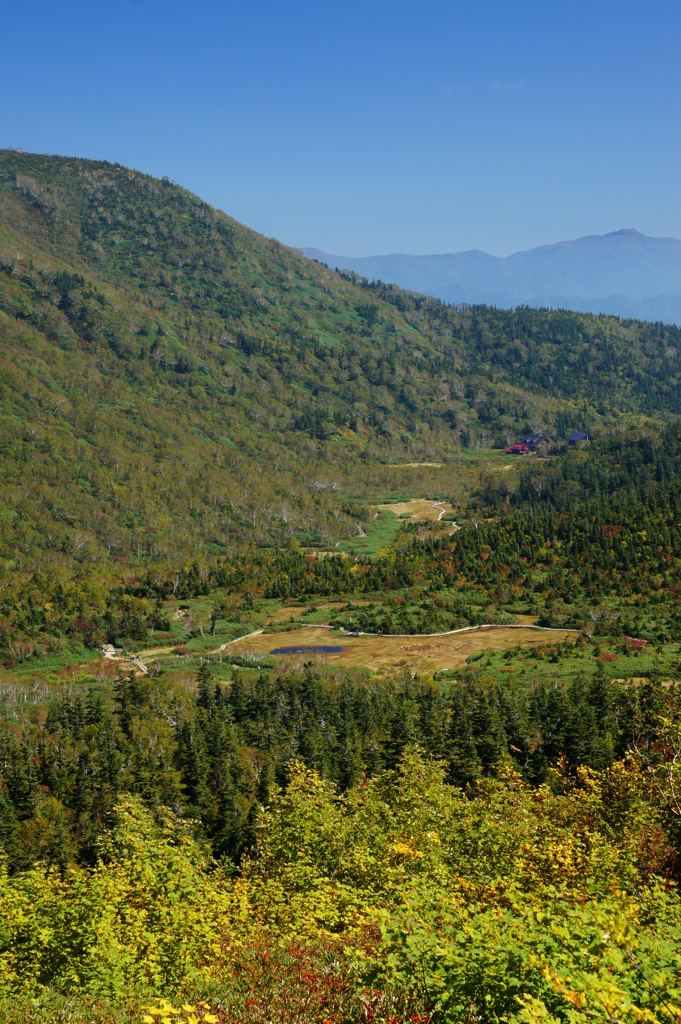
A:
x,y
284,614
294,611
418,509
378,652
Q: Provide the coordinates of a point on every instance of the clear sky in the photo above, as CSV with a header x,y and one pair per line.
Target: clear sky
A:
x,y
367,126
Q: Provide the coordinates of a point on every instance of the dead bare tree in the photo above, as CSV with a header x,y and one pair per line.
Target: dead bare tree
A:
x,y
661,762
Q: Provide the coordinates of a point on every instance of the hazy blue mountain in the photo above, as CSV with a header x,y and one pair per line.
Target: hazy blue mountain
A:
x,y
623,272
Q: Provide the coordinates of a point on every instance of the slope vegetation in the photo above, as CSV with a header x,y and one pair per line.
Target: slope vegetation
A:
x,y
174,385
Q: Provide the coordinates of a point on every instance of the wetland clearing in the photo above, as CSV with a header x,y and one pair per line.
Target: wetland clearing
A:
x,y
418,510
446,650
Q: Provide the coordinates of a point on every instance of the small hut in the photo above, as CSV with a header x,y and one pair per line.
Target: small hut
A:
x,y
536,443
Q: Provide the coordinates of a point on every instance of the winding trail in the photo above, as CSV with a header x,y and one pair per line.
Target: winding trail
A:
x,y
112,653
223,647
466,629
139,666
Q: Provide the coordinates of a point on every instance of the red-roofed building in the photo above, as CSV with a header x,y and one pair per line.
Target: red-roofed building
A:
x,y
518,449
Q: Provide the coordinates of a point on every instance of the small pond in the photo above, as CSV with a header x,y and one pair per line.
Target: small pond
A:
x,y
317,649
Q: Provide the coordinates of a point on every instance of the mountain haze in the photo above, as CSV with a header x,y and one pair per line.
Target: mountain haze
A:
x,y
624,273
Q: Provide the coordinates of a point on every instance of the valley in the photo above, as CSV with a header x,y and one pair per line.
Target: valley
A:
x,y
173,372
316,703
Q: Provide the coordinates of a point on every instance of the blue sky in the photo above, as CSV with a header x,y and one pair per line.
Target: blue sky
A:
x,y
367,127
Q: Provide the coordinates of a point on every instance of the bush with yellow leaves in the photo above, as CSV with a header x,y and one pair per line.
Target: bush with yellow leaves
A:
x,y
165,1013
517,904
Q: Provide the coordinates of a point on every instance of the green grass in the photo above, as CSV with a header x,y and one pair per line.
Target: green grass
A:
x,y
581,659
52,1008
51,665
380,533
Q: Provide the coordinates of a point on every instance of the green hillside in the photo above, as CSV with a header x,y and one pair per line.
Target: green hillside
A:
x,y
173,384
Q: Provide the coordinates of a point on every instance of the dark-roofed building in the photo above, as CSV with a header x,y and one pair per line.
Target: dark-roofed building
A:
x,y
536,443
578,437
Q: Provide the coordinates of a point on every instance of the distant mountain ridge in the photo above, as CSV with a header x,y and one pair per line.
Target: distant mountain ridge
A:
x,y
624,272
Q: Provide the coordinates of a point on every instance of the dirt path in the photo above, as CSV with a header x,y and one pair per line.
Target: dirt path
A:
x,y
375,650
418,510
135,660
466,629
111,654
238,640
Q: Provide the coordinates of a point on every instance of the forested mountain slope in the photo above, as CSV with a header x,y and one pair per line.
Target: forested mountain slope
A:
x,y
172,382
